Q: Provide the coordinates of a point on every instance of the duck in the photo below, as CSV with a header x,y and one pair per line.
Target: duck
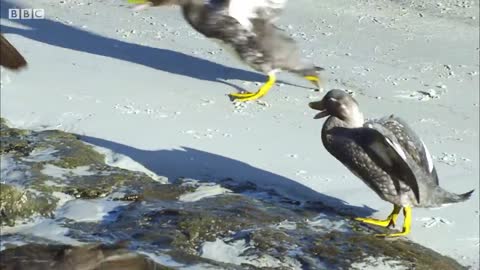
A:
x,y
9,56
386,154
247,29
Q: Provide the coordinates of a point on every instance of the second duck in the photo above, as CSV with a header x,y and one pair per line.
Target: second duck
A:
x,y
386,154
247,27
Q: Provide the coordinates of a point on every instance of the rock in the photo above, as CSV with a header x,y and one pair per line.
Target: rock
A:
x,y
247,227
37,164
16,204
89,257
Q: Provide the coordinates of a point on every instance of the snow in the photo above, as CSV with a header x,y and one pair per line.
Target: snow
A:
x,y
135,82
43,228
233,252
381,264
203,191
62,173
41,155
12,173
88,210
125,162
223,252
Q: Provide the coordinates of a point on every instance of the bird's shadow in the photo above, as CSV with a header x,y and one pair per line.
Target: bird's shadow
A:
x,y
192,163
58,34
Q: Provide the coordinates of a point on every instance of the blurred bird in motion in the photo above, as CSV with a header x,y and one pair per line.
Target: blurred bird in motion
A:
x,y
386,154
9,56
247,29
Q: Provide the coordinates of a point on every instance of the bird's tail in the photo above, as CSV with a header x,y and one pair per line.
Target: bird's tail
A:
x,y
446,197
9,56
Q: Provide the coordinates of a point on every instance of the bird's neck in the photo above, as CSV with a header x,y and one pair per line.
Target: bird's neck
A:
x,y
334,125
193,11
356,121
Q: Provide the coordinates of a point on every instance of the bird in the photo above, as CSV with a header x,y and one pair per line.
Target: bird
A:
x,y
247,29
9,55
386,154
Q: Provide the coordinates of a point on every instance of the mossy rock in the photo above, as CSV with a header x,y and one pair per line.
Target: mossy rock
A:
x,y
340,250
156,220
30,152
72,152
16,204
268,238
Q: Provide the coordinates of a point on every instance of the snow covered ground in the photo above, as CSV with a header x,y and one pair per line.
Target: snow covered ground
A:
x,y
145,85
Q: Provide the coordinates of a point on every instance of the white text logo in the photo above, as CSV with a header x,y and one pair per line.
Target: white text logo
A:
x,y
26,13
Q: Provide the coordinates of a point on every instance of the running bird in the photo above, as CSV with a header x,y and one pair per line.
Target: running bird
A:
x,y
386,154
247,27
9,56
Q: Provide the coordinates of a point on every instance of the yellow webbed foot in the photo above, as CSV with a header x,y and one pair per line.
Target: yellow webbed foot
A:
x,y
390,220
260,93
315,80
243,95
247,96
378,222
407,212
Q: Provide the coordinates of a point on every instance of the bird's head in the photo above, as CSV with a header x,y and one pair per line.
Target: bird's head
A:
x,y
339,104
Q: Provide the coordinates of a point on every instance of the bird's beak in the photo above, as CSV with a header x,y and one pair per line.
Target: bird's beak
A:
x,y
318,105
313,79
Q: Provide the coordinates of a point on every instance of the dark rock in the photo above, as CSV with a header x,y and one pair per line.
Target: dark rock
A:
x,y
266,229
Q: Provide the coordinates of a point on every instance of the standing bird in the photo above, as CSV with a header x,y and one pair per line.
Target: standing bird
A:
x,y
247,26
9,56
386,154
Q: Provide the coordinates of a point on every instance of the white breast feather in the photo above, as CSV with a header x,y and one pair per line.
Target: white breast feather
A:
x,y
245,10
379,149
429,158
397,148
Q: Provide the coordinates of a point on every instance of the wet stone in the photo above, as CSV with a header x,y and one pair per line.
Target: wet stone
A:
x,y
241,226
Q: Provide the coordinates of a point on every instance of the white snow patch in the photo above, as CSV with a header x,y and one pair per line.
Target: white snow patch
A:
x,y
233,253
17,243
429,222
62,198
43,228
223,252
204,191
372,263
41,155
323,222
88,210
288,225
62,173
161,259
125,162
11,172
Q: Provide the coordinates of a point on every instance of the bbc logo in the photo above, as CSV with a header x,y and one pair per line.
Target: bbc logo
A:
x,y
26,13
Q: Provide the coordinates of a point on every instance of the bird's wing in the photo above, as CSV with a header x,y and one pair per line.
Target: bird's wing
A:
x,y
411,143
9,56
246,10
385,151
